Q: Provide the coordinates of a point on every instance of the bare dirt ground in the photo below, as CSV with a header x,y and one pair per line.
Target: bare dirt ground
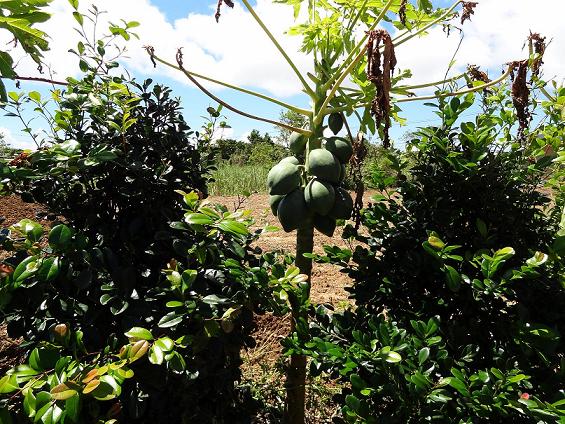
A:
x,y
12,210
328,284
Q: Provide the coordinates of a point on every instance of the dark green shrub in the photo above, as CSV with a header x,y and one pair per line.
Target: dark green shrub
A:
x,y
126,312
458,311
162,355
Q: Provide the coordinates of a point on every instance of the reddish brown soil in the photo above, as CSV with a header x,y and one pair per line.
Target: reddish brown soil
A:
x,y
12,210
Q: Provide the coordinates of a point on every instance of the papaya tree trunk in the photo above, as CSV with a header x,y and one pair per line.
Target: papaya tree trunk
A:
x,y
296,373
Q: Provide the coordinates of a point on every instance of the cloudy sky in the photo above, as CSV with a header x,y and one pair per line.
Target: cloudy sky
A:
x,y
238,52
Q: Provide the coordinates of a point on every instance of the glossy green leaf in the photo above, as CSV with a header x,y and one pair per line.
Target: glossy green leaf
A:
x,y
170,320
60,237
8,384
62,392
139,333
156,355
423,355
198,219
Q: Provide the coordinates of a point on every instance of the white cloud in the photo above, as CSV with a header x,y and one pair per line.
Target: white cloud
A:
x,y
494,37
244,137
237,51
17,142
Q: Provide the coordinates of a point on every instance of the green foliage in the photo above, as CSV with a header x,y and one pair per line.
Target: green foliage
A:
x,y
164,351
450,276
126,312
19,18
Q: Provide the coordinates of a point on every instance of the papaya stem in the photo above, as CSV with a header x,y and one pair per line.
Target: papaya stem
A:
x,y
460,92
432,84
305,85
235,87
296,372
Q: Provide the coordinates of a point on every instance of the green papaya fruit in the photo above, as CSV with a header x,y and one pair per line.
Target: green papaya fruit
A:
x,y
274,202
335,122
343,205
324,165
340,147
292,211
297,142
319,196
325,225
283,178
290,159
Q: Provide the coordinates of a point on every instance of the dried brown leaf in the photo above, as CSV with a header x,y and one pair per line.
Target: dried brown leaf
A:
x,y
468,10
228,3
402,11
379,71
521,94
538,44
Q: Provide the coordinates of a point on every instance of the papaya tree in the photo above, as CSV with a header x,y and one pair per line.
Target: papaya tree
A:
x,y
353,79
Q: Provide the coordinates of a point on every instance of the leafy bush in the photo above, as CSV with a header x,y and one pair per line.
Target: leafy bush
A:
x,y
91,348
458,287
126,312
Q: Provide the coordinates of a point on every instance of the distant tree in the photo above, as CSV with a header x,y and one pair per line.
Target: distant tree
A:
x,y
5,149
293,119
256,137
229,149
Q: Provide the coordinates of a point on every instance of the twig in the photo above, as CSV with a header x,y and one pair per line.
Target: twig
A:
x,y
39,79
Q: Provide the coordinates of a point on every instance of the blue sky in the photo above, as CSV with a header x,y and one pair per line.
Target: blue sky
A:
x,y
237,51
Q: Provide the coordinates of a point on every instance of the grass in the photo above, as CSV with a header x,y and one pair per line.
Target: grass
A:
x,y
239,179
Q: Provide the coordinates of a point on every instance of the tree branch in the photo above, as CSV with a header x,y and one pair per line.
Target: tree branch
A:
x,y
235,87
38,79
151,53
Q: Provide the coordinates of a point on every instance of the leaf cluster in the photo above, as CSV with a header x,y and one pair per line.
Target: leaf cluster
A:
x,y
452,271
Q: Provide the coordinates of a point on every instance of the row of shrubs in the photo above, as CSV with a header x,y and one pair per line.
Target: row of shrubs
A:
x,y
135,303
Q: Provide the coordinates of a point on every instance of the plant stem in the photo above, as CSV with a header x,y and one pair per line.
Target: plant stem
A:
x,y
358,16
235,87
38,79
458,93
398,41
361,46
230,107
296,373
307,88
432,84
546,94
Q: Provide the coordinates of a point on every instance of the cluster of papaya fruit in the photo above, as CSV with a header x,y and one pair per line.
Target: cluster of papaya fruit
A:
x,y
311,193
